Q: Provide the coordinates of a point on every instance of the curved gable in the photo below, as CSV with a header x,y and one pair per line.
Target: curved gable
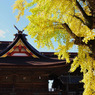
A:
x,y
20,47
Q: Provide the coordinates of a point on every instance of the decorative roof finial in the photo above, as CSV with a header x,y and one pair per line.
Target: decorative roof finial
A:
x,y
19,31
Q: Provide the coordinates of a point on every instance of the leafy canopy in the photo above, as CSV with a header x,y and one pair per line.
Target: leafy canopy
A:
x,y
68,23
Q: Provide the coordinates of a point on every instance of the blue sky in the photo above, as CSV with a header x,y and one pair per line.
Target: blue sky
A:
x,y
8,20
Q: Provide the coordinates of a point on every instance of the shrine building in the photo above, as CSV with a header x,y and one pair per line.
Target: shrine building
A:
x,y
26,71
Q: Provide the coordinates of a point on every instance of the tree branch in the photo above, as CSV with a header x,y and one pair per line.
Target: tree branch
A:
x,y
69,30
79,19
88,19
81,10
83,0
78,40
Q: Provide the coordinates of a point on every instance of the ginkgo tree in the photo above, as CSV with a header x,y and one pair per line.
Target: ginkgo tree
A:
x,y
68,22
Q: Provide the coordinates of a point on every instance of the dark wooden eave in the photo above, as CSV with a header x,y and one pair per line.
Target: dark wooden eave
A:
x,y
43,65
31,61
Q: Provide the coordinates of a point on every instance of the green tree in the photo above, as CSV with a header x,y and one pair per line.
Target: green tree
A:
x,y
68,22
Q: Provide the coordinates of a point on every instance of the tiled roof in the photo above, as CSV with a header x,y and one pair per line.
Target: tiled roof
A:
x,y
4,44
